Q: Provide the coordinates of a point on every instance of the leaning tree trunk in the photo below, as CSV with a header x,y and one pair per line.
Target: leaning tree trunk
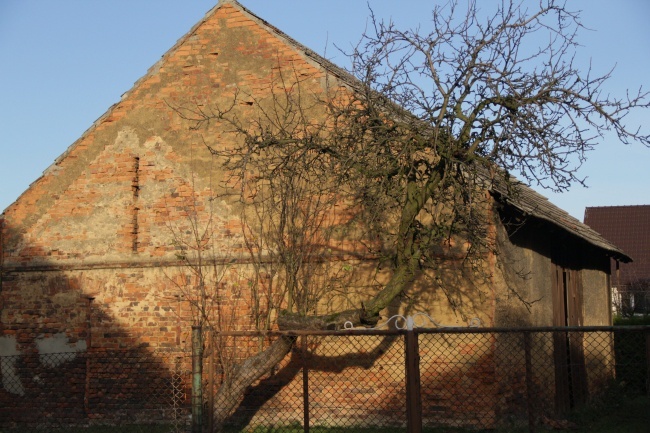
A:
x,y
255,367
244,375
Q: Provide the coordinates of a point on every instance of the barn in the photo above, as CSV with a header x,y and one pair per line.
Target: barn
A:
x,y
96,255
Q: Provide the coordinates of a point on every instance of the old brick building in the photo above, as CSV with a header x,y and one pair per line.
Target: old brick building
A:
x,y
89,255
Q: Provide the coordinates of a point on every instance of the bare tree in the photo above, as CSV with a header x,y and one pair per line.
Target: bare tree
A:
x,y
412,145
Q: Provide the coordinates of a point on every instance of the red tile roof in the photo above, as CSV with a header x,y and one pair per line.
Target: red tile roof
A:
x,y
628,227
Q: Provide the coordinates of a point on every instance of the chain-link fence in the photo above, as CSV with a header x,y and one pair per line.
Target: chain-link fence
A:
x,y
390,381
137,390
469,379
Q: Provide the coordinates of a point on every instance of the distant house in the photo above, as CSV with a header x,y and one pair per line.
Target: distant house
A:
x,y
629,228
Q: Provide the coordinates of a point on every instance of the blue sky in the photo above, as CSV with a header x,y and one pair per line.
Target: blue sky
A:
x,y
65,62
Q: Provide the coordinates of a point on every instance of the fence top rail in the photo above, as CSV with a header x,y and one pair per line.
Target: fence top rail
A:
x,y
441,330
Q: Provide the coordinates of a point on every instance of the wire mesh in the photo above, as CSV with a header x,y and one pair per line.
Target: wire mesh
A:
x,y
468,379
458,379
342,381
139,391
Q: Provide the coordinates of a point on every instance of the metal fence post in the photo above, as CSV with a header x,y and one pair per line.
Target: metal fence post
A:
x,y
197,370
647,361
413,397
529,382
89,349
211,382
305,385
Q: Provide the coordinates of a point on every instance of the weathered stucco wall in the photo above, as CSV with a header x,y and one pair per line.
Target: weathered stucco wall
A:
x,y
106,220
113,194
596,296
527,256
524,262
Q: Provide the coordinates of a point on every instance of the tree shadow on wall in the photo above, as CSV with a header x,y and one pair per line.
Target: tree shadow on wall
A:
x,y
332,363
351,380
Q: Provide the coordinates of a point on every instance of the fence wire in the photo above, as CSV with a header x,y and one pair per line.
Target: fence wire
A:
x,y
139,391
468,380
342,381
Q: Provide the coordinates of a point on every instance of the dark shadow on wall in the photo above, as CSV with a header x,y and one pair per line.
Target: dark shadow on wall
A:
x,y
483,380
552,242
67,361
